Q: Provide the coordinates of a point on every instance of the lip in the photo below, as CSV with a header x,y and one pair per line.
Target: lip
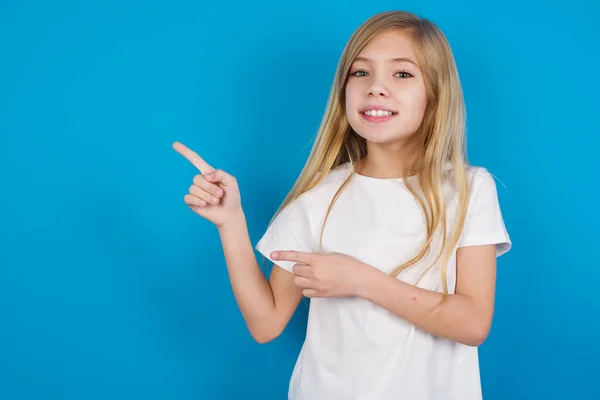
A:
x,y
382,108
374,119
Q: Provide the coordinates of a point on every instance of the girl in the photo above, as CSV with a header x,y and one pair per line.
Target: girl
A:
x,y
388,230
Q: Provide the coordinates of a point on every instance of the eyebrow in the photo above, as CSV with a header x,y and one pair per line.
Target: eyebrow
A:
x,y
397,59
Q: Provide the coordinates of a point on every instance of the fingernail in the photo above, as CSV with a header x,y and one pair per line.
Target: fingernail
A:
x,y
214,200
275,255
210,175
220,192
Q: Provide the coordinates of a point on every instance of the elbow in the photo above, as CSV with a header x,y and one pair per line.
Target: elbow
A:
x,y
475,340
477,335
263,339
263,336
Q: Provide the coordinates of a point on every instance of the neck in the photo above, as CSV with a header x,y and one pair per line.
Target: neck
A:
x,y
382,162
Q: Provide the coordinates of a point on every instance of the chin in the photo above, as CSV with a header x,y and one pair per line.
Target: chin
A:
x,y
390,132
382,137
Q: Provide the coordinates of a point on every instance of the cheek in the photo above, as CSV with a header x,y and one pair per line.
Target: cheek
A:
x,y
419,107
350,95
351,103
413,101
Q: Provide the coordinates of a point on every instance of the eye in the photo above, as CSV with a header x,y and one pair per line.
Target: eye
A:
x,y
359,72
403,74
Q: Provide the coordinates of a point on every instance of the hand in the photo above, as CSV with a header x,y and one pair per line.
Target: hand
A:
x,y
214,194
326,275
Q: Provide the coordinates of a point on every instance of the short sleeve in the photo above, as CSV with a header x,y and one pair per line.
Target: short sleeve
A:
x,y
484,223
291,230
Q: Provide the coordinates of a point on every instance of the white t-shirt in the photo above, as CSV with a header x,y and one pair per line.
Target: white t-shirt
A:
x,y
353,348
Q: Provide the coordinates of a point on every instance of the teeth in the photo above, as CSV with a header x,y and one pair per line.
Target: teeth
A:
x,y
378,113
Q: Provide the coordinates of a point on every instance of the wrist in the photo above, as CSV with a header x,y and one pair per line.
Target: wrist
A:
x,y
235,220
368,282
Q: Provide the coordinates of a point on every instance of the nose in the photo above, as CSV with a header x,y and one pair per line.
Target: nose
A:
x,y
378,87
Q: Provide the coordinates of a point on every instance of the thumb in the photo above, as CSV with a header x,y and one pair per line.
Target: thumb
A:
x,y
218,176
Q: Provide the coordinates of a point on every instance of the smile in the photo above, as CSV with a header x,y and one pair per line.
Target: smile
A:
x,y
377,115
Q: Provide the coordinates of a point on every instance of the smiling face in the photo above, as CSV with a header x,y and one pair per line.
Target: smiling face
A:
x,y
385,92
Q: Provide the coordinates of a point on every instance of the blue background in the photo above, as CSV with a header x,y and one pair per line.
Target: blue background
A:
x,y
110,288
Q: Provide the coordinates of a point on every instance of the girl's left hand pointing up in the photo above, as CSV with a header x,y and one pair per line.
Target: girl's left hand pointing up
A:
x,y
326,275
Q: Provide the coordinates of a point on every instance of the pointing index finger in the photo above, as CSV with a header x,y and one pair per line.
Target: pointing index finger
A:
x,y
296,256
192,157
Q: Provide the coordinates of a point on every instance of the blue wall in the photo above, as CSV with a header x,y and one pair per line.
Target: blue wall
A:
x,y
110,288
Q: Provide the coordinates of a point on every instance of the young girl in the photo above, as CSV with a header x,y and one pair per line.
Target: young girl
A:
x,y
388,230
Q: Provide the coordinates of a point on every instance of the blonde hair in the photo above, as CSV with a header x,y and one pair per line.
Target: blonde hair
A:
x,y
439,142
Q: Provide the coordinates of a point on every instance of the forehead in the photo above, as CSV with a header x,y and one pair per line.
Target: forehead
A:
x,y
388,45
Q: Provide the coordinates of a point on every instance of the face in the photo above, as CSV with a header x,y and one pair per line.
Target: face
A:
x,y
385,93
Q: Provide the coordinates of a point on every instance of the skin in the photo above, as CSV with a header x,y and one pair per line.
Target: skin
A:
x,y
377,77
268,305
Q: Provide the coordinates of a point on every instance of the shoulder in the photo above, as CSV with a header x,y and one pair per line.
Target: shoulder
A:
x,y
481,179
318,198
328,184
478,177
481,187
474,173
336,176
483,191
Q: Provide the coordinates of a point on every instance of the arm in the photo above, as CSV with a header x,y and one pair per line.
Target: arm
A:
x,y
266,306
465,316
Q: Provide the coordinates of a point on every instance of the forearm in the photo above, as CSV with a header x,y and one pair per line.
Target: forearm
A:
x,y
457,318
251,289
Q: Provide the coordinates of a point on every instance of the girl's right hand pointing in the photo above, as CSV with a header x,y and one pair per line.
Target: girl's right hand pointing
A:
x,y
214,194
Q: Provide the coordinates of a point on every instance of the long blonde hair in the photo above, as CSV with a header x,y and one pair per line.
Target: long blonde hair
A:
x,y
438,143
